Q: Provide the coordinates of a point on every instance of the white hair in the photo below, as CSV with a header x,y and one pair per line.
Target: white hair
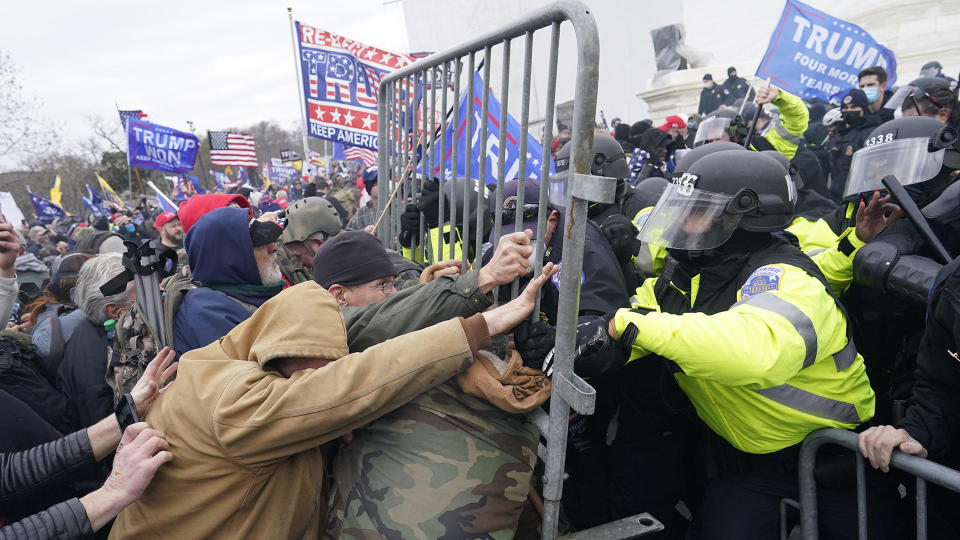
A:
x,y
93,274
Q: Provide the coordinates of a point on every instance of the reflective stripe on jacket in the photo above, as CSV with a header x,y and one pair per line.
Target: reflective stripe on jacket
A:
x,y
765,358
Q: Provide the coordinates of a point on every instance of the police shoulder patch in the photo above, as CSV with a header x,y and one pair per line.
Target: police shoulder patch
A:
x,y
641,218
485,247
555,278
763,279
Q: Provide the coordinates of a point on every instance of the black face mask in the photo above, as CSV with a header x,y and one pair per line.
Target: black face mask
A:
x,y
740,243
852,118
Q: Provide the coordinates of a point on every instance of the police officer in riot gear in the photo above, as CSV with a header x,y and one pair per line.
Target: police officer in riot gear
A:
x,y
730,281
602,288
610,161
922,154
615,220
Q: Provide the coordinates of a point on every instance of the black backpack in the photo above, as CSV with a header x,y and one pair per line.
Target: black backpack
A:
x,y
22,377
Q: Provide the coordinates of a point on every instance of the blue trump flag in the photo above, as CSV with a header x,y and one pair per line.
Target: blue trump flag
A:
x,y
95,209
812,54
281,174
95,197
490,148
47,210
152,146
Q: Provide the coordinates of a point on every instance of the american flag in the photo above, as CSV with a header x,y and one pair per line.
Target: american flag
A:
x,y
136,115
369,157
636,163
228,148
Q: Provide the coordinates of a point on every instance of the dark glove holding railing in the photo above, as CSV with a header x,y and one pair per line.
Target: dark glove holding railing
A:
x,y
534,340
429,201
621,234
409,225
596,351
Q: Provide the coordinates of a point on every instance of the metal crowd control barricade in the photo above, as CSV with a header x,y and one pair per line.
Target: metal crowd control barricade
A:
x,y
924,470
416,105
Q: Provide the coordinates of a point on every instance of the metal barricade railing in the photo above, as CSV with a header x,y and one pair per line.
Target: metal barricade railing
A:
x,y
924,469
413,133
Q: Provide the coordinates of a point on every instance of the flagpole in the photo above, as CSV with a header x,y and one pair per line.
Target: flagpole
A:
x,y
129,174
203,168
303,107
142,192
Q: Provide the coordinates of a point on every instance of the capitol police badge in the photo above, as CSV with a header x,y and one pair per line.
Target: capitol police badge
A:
x,y
763,279
555,278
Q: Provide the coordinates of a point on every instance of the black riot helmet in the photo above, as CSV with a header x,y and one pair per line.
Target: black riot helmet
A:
x,y
720,121
914,149
649,190
787,166
720,194
703,150
608,158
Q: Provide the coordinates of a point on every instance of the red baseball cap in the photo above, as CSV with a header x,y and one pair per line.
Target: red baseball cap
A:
x,y
673,122
197,206
163,219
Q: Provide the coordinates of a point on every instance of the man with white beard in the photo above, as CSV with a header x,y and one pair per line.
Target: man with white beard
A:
x,y
234,258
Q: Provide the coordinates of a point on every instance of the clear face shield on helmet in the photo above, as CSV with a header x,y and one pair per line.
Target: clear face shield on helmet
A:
x,y
557,190
910,160
691,219
712,129
898,97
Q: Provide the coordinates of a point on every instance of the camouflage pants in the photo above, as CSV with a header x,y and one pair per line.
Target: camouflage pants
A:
x,y
446,465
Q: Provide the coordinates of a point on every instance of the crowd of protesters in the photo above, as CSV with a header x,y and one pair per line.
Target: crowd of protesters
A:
x,y
751,283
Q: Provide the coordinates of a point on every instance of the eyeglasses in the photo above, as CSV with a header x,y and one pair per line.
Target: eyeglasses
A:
x,y
385,288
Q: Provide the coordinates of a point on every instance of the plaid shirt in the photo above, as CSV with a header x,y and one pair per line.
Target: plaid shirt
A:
x,y
365,216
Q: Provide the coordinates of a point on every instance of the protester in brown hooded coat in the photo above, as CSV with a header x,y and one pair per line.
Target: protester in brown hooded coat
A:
x,y
247,414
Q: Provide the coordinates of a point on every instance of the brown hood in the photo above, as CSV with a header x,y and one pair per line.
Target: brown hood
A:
x,y
315,329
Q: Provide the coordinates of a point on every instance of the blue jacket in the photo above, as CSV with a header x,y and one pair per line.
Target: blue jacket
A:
x,y
219,250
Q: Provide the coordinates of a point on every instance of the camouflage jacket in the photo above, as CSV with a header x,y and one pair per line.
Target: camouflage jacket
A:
x,y
445,465
291,269
134,346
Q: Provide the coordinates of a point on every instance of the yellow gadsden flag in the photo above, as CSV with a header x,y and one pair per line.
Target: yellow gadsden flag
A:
x,y
55,193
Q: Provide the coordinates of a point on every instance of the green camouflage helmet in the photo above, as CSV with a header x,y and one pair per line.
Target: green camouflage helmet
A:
x,y
309,216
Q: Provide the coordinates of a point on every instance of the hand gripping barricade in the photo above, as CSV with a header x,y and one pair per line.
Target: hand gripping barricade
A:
x,y
923,469
413,123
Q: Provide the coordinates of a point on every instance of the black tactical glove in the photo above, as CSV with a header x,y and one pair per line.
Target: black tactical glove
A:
x,y
429,200
534,340
592,340
409,225
621,234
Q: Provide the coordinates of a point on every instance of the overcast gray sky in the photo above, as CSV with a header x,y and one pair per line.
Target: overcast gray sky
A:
x,y
218,63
